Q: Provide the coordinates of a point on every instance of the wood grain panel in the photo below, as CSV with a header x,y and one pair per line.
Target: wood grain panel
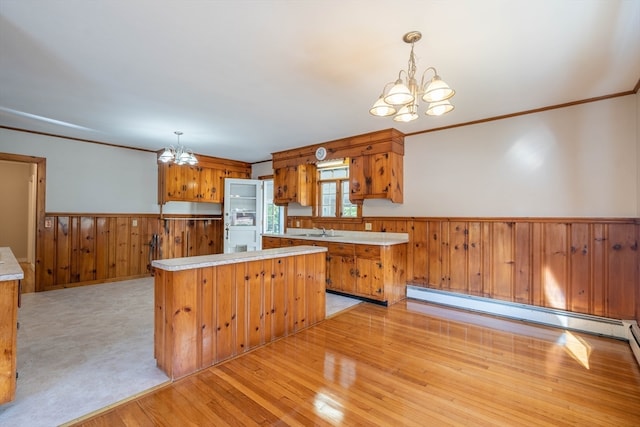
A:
x,y
63,250
580,284
599,274
522,263
502,260
458,260
207,320
240,309
225,277
279,308
474,255
418,252
624,286
555,265
46,266
102,248
255,301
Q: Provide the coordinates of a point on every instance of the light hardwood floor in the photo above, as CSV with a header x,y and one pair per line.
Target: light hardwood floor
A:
x,y
408,364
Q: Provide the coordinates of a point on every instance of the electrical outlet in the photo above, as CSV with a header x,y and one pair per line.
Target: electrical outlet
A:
x,y
134,223
298,224
367,226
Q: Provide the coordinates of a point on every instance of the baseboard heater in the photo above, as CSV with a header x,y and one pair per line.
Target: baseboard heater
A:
x,y
626,330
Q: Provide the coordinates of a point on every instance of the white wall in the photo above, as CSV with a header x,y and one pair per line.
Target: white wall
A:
x,y
579,161
95,178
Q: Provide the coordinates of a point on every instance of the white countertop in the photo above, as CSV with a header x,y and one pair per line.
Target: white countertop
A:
x,y
9,266
343,236
188,263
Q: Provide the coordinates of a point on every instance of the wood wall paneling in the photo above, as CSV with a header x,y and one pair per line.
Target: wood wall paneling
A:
x,y
79,249
584,265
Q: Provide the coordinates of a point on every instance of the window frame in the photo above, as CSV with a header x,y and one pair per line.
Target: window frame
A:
x,y
339,210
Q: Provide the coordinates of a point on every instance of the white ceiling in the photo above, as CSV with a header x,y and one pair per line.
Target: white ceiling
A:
x,y
243,79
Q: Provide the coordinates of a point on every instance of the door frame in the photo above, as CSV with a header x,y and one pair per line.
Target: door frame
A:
x,y
41,184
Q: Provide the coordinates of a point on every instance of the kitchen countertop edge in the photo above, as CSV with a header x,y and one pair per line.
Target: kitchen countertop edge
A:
x,y
189,263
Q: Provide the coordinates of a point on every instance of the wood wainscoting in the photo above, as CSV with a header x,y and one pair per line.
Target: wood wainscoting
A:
x,y
83,249
584,265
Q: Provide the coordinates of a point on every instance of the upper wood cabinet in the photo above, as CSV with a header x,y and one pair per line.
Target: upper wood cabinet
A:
x,y
376,176
375,172
201,183
294,184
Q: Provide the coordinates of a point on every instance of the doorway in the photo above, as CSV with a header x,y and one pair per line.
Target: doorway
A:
x,y
36,209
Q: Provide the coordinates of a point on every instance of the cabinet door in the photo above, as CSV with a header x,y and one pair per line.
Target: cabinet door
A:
x,y
174,184
191,176
283,180
357,179
211,184
369,278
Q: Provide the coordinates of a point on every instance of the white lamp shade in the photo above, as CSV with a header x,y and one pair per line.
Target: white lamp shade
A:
x,y
399,94
406,114
437,90
439,108
382,109
166,156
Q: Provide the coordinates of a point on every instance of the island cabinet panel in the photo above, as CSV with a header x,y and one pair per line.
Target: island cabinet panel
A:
x,y
224,311
8,339
206,315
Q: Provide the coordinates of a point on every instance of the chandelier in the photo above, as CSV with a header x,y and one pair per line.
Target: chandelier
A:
x,y
180,155
401,97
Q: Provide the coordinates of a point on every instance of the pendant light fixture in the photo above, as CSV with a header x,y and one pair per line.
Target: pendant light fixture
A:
x,y
180,155
400,98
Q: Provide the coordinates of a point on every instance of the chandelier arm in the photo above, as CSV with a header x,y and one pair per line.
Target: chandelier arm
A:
x,y
422,82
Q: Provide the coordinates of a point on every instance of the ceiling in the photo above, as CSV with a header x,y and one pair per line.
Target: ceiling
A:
x,y
243,79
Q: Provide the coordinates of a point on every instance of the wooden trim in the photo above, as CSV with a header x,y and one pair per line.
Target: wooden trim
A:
x,y
636,87
53,135
384,141
526,112
41,185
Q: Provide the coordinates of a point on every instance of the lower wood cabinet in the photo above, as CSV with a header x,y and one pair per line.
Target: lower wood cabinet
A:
x,y
372,272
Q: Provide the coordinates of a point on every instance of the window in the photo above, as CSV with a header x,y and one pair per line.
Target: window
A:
x,y
273,215
333,190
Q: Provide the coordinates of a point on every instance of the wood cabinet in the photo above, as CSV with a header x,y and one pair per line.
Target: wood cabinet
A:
x,y
371,272
206,315
341,267
200,183
376,176
376,168
10,275
8,335
294,184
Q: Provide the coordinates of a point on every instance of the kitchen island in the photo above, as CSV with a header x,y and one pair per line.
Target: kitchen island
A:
x,y
215,307
370,266
10,276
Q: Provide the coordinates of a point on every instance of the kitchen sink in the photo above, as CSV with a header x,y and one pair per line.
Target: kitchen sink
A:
x,y
319,235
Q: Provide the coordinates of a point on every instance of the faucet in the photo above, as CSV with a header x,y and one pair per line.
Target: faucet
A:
x,y
324,232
